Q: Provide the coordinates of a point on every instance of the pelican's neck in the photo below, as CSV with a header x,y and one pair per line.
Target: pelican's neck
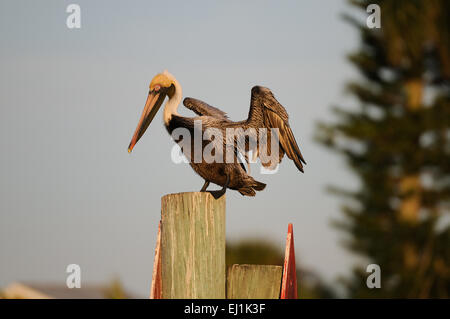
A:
x,y
171,107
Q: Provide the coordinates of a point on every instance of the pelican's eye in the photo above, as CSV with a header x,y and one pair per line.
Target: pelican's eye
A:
x,y
157,87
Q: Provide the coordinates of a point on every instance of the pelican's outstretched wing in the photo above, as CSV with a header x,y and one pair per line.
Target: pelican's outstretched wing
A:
x,y
266,112
201,108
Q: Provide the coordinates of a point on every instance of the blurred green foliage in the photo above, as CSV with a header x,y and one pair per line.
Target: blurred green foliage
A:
x,y
115,290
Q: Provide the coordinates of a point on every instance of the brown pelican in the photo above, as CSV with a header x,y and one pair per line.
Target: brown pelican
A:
x,y
265,113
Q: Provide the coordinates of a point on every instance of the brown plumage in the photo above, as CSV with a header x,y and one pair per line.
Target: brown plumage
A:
x,y
267,118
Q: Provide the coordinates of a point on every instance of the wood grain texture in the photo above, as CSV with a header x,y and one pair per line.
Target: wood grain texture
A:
x,y
156,287
253,282
192,246
289,282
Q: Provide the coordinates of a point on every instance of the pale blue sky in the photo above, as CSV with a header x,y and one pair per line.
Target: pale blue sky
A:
x,y
70,101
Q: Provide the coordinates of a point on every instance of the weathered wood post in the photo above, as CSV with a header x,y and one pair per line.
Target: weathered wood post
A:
x,y
254,282
192,247
190,256
289,282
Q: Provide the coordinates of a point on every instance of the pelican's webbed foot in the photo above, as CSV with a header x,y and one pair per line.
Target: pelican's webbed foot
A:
x,y
220,193
205,186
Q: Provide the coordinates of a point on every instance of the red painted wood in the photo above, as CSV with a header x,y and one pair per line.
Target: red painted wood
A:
x,y
156,288
289,281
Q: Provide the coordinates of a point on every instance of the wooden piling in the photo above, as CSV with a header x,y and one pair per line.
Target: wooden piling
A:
x,y
289,282
156,287
254,282
192,246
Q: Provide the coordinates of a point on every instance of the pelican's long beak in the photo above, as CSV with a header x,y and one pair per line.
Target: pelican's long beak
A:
x,y
154,101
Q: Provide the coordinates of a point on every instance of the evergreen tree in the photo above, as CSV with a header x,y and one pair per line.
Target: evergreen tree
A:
x,y
398,144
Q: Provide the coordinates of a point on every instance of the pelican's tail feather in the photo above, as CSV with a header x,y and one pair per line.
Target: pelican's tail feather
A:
x,y
251,187
259,186
247,191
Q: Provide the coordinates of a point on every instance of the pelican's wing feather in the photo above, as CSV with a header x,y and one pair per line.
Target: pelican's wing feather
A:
x,y
201,108
285,137
267,113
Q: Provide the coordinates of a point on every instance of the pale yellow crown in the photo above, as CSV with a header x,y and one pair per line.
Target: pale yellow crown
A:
x,y
164,79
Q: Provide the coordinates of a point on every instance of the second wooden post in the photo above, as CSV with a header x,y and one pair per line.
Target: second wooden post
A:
x,y
192,246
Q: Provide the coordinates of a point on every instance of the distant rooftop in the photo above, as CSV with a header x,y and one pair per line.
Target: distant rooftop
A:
x,y
29,290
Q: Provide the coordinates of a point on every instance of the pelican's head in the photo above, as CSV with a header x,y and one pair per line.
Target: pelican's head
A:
x,y
162,85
